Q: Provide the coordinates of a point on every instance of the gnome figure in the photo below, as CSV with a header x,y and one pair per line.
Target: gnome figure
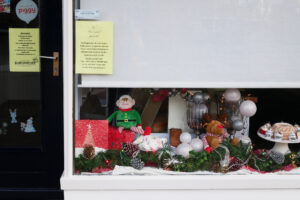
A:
x,y
126,117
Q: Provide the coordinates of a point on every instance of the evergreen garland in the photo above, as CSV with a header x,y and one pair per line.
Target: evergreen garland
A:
x,y
203,161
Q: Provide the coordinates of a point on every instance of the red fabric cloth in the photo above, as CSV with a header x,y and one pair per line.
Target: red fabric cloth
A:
x,y
116,139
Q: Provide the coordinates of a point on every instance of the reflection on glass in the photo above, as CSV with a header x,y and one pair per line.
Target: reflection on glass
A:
x,y
19,103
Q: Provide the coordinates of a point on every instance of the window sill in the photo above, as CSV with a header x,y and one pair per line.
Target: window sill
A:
x,y
189,182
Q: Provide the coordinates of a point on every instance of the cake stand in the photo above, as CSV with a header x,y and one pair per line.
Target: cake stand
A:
x,y
281,146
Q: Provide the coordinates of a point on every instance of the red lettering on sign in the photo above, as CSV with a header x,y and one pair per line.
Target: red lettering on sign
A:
x,y
27,10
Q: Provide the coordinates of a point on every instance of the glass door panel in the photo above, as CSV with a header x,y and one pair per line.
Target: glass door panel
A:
x,y
20,122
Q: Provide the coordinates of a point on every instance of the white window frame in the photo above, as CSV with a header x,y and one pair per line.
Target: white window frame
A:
x,y
225,186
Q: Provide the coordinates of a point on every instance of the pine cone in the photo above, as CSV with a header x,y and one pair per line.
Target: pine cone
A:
x,y
89,152
235,164
130,149
137,163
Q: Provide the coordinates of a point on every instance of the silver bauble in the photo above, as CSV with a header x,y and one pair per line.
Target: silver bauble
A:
x,y
235,117
238,125
206,97
198,97
232,95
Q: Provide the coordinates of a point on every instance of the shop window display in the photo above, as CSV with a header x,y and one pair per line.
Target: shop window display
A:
x,y
187,131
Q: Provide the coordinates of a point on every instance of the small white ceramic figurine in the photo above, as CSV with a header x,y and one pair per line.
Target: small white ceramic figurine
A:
x,y
292,136
29,126
269,133
278,135
13,115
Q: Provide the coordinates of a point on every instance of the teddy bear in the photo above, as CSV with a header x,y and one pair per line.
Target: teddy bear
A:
x,y
215,133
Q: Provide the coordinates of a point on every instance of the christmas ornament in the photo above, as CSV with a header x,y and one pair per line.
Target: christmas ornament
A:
x,y
245,140
201,109
160,95
216,167
198,97
137,163
195,113
130,149
265,128
29,126
185,137
126,117
224,163
88,152
184,150
235,117
238,125
13,115
292,136
235,164
235,141
232,95
277,157
248,108
148,142
196,144
206,97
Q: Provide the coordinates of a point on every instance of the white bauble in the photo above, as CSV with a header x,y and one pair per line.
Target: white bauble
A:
x,y
232,95
185,137
248,108
197,144
184,150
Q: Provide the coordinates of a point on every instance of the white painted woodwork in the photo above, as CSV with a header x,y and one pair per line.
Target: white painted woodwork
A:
x,y
177,114
195,43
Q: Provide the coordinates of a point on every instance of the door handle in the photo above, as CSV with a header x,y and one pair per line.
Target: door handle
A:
x,y
55,59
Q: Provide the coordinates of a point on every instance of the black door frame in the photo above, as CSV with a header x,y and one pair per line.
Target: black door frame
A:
x,y
43,180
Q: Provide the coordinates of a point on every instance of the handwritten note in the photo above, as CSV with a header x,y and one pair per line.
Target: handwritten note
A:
x,y
94,47
24,49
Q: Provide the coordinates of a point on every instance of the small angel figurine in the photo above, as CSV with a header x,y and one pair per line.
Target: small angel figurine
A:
x,y
13,115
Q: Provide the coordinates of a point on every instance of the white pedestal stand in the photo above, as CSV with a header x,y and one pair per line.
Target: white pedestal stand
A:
x,y
281,146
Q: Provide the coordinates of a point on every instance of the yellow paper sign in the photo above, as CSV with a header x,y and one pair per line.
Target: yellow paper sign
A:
x,y
24,49
94,47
